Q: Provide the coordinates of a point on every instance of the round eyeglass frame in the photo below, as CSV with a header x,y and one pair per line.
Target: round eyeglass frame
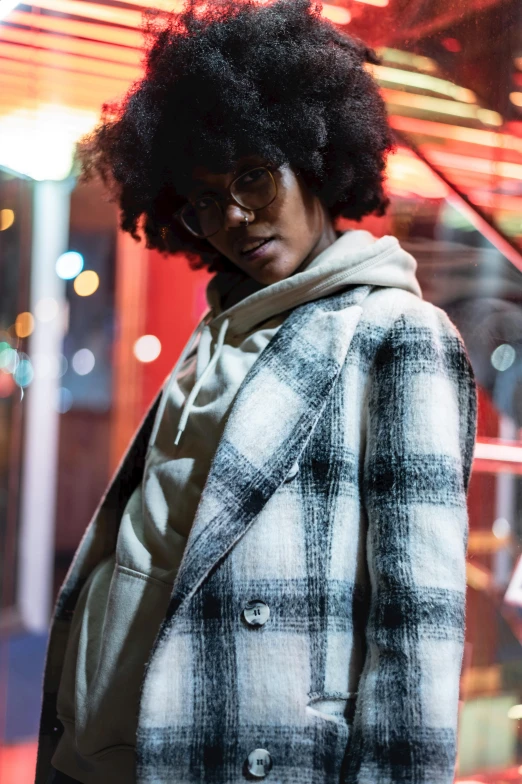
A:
x,y
229,195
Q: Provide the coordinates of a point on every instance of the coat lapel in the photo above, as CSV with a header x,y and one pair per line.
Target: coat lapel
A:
x,y
273,415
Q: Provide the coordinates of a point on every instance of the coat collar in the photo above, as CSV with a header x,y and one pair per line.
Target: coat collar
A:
x,y
274,413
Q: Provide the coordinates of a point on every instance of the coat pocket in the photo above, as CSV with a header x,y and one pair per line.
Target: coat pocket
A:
x,y
113,630
338,708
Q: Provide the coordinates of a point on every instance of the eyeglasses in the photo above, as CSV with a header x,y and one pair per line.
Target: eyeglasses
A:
x,y
253,190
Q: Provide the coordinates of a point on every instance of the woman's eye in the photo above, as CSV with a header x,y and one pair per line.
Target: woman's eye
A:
x,y
252,176
204,203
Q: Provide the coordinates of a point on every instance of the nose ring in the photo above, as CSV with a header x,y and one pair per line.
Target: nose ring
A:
x,y
245,220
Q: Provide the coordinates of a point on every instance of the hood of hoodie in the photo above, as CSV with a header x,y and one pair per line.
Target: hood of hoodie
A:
x,y
355,258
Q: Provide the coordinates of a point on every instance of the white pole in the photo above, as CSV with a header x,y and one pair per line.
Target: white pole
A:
x,y
40,447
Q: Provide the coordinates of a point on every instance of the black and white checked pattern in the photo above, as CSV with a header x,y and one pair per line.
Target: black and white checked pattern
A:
x,y
360,556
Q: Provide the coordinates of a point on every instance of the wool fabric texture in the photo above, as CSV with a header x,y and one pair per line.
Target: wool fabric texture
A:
x,y
337,496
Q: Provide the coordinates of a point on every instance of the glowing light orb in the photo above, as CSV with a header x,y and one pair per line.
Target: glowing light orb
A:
x,y
147,348
7,384
83,361
69,265
64,401
9,360
7,218
503,357
501,528
515,712
86,283
24,324
46,309
24,373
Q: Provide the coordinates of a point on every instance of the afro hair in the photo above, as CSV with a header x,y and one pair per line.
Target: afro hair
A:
x,y
230,78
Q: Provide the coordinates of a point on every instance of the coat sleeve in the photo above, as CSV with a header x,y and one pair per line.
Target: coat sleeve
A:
x,y
421,419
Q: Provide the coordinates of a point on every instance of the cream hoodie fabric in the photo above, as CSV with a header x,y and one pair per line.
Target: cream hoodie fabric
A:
x,y
124,601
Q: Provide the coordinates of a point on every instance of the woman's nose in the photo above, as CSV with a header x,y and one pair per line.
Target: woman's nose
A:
x,y
235,215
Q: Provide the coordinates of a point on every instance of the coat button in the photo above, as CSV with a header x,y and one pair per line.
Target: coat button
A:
x,y
256,612
259,763
294,470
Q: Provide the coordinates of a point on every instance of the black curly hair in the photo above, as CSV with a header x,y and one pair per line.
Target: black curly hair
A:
x,y
230,78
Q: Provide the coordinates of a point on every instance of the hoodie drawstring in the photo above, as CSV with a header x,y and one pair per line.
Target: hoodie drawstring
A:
x,y
201,380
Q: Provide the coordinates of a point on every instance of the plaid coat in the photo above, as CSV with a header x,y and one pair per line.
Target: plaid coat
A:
x,y
337,500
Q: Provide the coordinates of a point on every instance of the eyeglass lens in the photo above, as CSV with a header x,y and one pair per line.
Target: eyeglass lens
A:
x,y
253,190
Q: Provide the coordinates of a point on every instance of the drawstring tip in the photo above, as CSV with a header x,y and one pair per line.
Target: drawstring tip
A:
x,y
178,437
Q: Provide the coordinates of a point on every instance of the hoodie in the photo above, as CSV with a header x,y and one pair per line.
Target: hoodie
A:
x,y
99,691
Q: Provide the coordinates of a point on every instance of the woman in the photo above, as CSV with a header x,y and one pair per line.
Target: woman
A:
x,y
274,584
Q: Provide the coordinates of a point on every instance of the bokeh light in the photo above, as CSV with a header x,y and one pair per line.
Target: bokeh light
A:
x,y
335,14
86,283
83,361
69,265
515,712
8,359
46,309
147,348
7,384
24,324
7,218
41,365
64,401
501,528
503,357
49,365
24,373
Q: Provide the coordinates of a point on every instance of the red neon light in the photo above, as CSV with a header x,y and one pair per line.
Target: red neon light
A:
x,y
485,166
73,27
336,14
91,49
68,62
378,3
457,132
40,74
104,13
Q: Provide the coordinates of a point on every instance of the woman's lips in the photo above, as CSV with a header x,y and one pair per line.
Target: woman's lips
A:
x,y
259,251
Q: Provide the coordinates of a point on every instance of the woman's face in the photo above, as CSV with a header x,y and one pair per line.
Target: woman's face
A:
x,y
294,228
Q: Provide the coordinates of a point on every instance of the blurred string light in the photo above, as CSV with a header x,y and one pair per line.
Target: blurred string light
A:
x,y
7,218
24,373
49,365
516,98
501,528
8,358
408,175
83,361
401,57
336,14
387,75
430,104
503,357
24,324
147,348
69,265
64,401
457,133
6,6
39,142
46,309
515,712
86,283
7,384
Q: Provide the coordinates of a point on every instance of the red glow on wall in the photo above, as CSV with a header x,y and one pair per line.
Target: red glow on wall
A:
x,y
451,45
